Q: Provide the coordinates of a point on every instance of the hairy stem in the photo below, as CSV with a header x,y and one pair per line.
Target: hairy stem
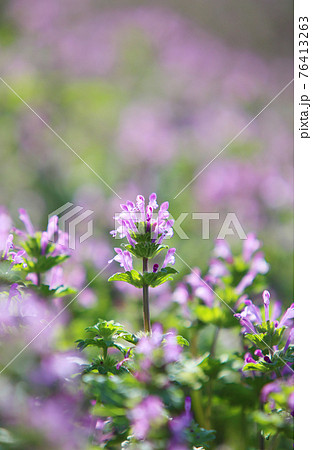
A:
x,y
210,382
146,314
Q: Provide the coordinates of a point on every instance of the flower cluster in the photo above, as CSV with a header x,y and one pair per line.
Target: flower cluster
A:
x,y
152,389
145,233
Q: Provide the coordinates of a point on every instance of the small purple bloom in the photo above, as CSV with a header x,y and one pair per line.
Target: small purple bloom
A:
x,y
266,300
23,215
124,258
250,246
169,258
147,413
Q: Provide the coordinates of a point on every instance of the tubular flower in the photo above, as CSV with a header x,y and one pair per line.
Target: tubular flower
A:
x,y
145,230
138,219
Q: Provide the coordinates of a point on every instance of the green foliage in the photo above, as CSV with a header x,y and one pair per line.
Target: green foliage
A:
x,y
104,366
104,335
182,341
221,317
45,291
10,275
275,422
33,246
131,277
199,437
44,263
146,249
156,279
148,278
278,361
267,335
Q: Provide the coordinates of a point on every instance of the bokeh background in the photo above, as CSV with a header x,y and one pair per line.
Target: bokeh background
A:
x,y
148,93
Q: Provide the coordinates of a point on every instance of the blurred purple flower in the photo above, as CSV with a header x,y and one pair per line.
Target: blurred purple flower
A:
x,y
147,413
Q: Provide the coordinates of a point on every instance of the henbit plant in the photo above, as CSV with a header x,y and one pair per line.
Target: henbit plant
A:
x,y
154,388
145,235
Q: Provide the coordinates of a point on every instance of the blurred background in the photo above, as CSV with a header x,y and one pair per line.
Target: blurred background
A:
x,y
148,93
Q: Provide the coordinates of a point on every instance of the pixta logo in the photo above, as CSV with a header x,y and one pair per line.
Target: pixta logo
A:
x,y
71,222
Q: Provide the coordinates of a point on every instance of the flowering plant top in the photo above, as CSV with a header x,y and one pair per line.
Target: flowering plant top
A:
x,y
145,231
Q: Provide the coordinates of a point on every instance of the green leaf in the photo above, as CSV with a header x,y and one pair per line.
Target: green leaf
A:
x,y
44,263
10,275
104,335
104,366
198,436
131,277
45,290
156,279
146,249
182,341
261,366
267,335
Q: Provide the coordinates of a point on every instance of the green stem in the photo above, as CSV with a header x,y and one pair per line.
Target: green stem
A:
x,y
196,397
38,279
210,382
146,314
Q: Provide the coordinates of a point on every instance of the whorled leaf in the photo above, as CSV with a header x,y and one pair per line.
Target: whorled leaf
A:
x,y
44,263
131,277
156,279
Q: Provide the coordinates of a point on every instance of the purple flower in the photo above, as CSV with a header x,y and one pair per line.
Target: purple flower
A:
x,y
290,339
251,316
266,301
8,246
172,349
291,403
178,426
124,258
125,359
139,218
147,413
250,246
169,259
288,316
222,250
23,215
269,389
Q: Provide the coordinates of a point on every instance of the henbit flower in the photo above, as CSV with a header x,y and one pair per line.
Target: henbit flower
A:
x,y
198,287
147,413
287,316
138,219
258,265
223,250
266,301
5,226
290,339
251,314
125,359
178,426
269,389
172,349
13,256
169,258
8,246
62,238
24,217
124,258
250,246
